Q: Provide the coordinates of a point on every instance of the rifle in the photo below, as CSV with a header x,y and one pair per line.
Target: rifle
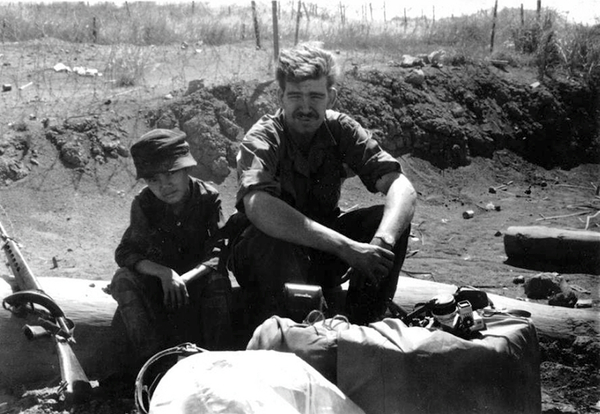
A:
x,y
51,320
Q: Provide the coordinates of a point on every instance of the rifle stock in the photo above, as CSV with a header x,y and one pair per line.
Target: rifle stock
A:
x,y
53,322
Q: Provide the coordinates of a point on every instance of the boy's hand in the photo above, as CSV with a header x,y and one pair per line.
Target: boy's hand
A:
x,y
175,292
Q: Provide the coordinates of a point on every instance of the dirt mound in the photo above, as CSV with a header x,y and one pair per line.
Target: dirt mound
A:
x,y
458,113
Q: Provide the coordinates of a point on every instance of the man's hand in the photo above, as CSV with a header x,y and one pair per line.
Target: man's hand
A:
x,y
175,292
369,263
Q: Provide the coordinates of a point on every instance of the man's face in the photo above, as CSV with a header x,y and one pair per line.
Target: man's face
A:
x,y
170,187
304,105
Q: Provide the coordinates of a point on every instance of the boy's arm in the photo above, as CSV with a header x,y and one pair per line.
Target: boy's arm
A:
x,y
134,242
175,292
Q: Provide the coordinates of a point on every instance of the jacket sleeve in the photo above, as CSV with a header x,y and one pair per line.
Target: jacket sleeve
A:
x,y
134,242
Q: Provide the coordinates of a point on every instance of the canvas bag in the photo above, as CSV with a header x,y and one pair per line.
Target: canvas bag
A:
x,y
390,368
314,342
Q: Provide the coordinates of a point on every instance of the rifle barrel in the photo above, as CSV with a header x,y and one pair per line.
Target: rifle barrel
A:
x,y
77,385
26,279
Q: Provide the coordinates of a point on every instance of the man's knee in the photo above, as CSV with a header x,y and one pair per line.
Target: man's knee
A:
x,y
262,259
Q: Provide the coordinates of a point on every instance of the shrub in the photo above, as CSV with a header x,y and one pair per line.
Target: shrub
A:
x,y
126,65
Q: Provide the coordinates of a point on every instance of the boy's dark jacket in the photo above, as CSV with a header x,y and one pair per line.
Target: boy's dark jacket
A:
x,y
179,242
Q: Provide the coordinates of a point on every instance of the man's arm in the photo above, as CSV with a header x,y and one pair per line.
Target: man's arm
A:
x,y
400,202
278,219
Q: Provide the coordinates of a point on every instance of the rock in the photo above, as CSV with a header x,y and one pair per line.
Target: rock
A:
x,y
410,61
584,303
415,77
519,280
61,67
469,214
540,287
194,85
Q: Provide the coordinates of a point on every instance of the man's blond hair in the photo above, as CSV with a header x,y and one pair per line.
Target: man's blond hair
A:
x,y
306,61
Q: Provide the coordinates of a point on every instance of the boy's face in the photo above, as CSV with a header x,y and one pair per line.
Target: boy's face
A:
x,y
170,187
304,104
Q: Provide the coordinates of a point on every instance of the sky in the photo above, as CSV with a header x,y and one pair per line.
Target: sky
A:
x,y
576,11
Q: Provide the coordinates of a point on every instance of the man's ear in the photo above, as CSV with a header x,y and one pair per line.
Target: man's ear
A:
x,y
332,97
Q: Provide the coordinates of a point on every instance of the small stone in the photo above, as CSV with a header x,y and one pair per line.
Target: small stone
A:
x,y
584,303
469,214
519,280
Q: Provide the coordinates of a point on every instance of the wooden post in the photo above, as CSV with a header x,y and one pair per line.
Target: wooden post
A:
x,y
539,10
256,29
371,10
342,15
433,16
522,16
306,12
275,31
128,11
494,26
94,30
298,15
405,20
193,7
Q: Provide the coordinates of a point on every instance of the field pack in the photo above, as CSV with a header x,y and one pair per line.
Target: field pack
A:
x,y
389,367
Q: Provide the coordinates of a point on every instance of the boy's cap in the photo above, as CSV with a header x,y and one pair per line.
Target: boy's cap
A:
x,y
159,151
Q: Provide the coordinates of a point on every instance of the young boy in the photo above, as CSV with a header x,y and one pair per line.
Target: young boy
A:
x,y
170,288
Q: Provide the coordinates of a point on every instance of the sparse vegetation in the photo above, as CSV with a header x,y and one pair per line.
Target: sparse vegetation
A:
x,y
546,40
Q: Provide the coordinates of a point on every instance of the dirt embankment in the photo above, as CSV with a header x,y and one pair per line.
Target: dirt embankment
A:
x,y
455,114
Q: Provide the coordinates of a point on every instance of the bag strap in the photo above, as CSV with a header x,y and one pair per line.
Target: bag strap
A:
x,y
143,390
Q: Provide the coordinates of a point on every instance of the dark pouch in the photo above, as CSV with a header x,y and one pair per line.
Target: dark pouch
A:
x,y
301,299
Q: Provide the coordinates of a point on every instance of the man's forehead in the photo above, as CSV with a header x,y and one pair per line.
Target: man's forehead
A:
x,y
319,84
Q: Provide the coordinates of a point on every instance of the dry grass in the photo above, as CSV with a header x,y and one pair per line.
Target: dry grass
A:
x,y
546,41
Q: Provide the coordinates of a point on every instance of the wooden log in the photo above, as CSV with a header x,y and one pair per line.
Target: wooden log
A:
x,y
550,321
578,249
26,362
23,361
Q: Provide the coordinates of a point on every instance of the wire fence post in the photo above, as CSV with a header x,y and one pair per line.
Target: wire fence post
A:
x,y
494,26
275,30
94,30
298,14
522,16
256,29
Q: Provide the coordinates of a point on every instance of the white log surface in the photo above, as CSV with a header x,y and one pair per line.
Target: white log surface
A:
x,y
552,245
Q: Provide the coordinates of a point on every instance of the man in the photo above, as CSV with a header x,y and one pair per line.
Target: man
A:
x,y
290,167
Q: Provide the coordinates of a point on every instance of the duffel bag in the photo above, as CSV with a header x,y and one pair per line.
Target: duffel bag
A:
x,y
314,341
391,368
